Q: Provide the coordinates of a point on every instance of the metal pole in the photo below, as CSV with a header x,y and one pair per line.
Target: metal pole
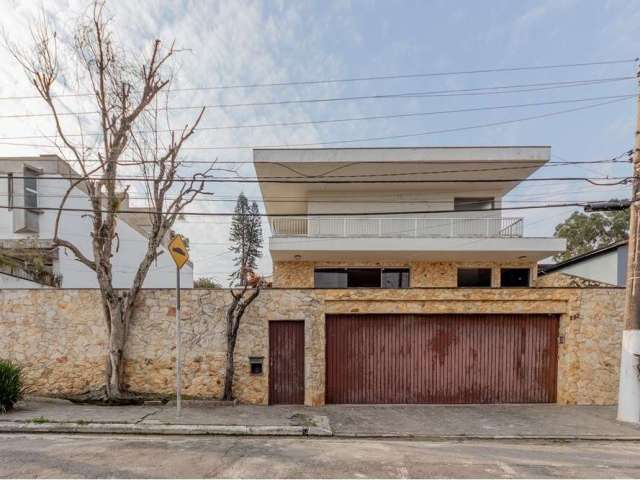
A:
x,y
629,393
178,345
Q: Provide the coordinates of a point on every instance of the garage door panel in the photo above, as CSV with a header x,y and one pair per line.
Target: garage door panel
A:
x,y
441,358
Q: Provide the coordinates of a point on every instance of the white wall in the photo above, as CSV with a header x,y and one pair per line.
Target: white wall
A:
x,y
9,281
321,202
75,227
602,268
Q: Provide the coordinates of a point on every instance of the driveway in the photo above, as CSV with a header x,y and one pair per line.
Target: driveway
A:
x,y
477,420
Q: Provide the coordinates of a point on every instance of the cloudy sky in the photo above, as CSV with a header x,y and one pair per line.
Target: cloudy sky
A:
x,y
234,42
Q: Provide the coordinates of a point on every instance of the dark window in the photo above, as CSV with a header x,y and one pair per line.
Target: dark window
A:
x,y
10,190
395,278
361,278
474,277
466,204
330,278
514,277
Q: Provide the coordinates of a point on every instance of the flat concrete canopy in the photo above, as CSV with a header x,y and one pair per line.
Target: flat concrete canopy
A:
x,y
372,169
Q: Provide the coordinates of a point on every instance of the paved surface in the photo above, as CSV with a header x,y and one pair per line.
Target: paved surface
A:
x,y
478,420
58,456
550,421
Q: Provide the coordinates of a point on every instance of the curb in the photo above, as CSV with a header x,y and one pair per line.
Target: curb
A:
x,y
463,437
158,429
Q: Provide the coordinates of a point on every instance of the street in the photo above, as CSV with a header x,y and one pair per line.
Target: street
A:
x,y
200,456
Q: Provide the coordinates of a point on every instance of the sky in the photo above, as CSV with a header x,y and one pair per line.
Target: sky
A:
x,y
237,42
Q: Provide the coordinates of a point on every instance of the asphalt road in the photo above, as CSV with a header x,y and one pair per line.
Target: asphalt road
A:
x,y
144,456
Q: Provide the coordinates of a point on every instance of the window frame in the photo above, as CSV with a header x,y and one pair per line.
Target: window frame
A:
x,y
30,173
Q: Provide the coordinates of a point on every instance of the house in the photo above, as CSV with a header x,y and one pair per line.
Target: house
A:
x,y
606,265
347,222
31,189
408,249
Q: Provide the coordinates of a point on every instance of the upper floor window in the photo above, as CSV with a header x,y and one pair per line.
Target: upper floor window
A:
x,y
30,188
361,278
514,277
10,193
474,277
479,203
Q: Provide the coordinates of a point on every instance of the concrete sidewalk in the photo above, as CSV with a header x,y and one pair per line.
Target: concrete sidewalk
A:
x,y
441,422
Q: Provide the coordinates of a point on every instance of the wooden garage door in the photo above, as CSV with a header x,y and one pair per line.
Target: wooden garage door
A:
x,y
441,358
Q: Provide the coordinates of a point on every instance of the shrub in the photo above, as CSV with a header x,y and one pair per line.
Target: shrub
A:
x,y
11,388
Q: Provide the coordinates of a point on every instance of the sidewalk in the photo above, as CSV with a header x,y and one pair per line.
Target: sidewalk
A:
x,y
438,422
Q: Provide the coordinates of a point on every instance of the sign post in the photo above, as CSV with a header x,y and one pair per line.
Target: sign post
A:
x,y
180,255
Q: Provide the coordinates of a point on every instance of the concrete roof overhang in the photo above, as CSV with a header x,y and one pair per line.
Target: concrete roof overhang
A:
x,y
370,169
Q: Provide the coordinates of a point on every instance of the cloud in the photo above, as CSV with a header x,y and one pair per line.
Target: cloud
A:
x,y
222,43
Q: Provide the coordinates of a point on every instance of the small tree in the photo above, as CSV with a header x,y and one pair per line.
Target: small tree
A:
x,y
586,232
246,238
206,282
124,95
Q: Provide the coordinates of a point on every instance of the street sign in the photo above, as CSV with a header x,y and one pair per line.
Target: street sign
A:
x,y
178,251
180,255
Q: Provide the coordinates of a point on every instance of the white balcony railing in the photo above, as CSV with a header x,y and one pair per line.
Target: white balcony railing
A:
x,y
395,226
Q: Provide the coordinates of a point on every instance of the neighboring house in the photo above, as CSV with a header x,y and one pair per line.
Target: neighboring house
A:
x,y
320,240
31,188
606,265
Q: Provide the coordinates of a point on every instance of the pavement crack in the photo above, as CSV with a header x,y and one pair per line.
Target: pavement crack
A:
x,y
144,417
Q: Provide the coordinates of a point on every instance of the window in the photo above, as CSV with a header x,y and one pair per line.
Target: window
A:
x,y
10,190
474,277
30,188
361,278
514,277
330,278
466,204
395,278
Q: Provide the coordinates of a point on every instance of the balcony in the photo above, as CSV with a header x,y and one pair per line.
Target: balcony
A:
x,y
388,226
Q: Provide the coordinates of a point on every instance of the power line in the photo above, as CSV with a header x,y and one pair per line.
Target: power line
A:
x,y
461,92
361,214
372,162
401,136
297,180
329,121
360,79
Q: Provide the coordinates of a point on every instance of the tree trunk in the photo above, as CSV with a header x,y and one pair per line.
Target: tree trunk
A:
x,y
227,393
229,370
118,321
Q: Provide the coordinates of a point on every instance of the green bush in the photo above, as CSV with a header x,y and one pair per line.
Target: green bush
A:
x,y
11,388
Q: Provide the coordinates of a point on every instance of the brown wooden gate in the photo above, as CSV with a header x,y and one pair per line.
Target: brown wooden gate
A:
x,y
471,358
286,362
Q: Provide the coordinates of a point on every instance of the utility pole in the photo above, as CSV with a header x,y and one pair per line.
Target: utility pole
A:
x,y
629,393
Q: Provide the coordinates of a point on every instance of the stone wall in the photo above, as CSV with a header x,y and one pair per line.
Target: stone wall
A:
x,y
58,335
423,274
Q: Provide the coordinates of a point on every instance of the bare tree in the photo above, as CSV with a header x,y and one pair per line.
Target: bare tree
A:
x,y
126,96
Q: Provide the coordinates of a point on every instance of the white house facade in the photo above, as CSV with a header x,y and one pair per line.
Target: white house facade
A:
x,y
31,189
